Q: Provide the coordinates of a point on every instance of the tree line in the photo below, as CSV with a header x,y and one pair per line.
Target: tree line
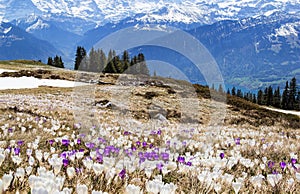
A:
x,y
56,61
288,99
97,61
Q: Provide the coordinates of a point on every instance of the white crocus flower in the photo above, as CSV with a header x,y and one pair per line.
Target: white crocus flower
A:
x,y
39,190
98,168
169,188
217,187
290,182
2,158
88,163
60,181
273,179
6,180
79,155
228,178
154,186
67,191
28,170
20,173
298,176
236,186
93,154
132,189
257,180
71,172
39,155
81,189
31,160
110,174
148,172
52,150
16,159
46,155
57,165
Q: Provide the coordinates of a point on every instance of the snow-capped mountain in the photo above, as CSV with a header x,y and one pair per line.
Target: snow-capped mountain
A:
x,y
101,12
16,43
254,51
49,31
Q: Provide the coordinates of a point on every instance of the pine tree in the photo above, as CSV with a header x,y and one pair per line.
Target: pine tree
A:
x,y
142,66
239,93
269,96
260,97
102,62
56,62
80,55
50,61
93,60
265,96
285,96
220,89
292,94
125,60
233,91
254,100
277,97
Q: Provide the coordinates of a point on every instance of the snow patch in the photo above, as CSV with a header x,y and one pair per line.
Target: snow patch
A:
x,y
7,30
284,111
6,70
38,25
287,30
32,82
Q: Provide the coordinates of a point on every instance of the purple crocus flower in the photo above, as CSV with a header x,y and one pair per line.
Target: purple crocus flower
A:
x,y
65,162
65,142
122,174
144,144
282,165
293,161
140,154
222,155
159,166
155,156
188,163
270,164
164,156
238,141
17,151
78,170
127,133
99,158
138,143
181,159
51,141
63,155
81,150
10,130
158,132
142,159
78,141
133,148
20,142
90,145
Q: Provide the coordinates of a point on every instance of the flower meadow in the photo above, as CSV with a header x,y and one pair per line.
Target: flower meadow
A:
x,y
45,155
44,150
